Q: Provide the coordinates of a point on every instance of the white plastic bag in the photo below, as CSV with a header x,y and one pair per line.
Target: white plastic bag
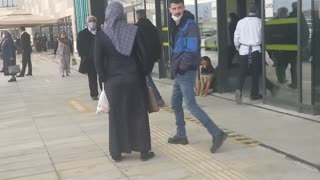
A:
x,y
103,104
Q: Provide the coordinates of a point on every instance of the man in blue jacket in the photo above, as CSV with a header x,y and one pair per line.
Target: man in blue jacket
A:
x,y
185,56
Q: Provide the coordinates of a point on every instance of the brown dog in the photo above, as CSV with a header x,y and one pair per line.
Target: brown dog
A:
x,y
204,85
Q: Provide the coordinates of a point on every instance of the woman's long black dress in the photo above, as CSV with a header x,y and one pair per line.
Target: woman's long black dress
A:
x,y
126,90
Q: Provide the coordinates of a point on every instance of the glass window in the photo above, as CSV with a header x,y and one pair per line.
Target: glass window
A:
x,y
305,51
281,50
316,53
130,6
207,20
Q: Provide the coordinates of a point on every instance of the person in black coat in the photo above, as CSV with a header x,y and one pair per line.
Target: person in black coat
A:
x,y
153,45
26,53
117,61
85,47
9,55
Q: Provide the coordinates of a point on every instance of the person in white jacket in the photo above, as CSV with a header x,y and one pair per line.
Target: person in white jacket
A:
x,y
247,40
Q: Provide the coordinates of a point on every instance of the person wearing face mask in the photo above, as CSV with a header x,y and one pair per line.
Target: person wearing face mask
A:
x,y
63,50
185,56
85,47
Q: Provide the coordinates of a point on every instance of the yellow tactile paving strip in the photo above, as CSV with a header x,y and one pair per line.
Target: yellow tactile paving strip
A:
x,y
240,138
78,106
197,162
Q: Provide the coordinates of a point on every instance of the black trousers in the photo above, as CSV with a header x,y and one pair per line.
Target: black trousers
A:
x,y
255,70
93,83
26,60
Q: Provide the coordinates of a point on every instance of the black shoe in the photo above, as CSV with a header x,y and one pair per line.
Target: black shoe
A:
x,y
292,86
217,142
116,158
178,140
28,74
12,80
20,75
256,97
95,98
147,155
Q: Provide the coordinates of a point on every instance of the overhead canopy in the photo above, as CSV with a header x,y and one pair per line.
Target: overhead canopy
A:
x,y
17,18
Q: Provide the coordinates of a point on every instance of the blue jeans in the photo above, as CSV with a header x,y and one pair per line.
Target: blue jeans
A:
x,y
184,89
156,93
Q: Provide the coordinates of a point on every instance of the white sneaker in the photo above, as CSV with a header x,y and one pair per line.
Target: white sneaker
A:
x,y
238,97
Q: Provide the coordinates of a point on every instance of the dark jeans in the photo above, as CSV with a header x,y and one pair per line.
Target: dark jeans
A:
x,y
26,60
154,88
93,83
183,89
254,70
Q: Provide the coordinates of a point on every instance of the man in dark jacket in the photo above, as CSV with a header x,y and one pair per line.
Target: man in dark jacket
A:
x,y
85,47
26,53
185,52
153,45
304,38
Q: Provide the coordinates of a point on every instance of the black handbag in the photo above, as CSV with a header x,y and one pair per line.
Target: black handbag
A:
x,y
83,67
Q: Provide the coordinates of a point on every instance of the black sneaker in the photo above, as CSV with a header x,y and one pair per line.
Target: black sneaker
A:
x,y
217,142
178,140
147,155
12,80
256,97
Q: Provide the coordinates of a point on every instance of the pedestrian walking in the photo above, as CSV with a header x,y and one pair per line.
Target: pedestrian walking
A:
x,y
116,61
9,55
63,51
85,47
185,45
26,53
153,45
247,40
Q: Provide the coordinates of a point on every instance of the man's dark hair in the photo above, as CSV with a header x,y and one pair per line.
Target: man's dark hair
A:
x,y
206,58
22,28
175,2
141,14
252,8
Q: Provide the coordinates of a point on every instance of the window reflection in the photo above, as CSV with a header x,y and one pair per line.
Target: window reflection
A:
x,y
281,38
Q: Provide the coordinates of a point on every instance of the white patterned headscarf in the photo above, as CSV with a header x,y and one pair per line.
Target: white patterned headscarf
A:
x,y
118,30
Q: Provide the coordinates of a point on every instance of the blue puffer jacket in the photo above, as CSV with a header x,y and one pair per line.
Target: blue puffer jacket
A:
x,y
184,45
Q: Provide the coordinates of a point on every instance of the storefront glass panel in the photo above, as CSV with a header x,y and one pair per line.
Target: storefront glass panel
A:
x,y
281,45
207,20
306,30
316,53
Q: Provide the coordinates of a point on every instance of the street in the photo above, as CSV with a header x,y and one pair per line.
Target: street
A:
x,y
49,131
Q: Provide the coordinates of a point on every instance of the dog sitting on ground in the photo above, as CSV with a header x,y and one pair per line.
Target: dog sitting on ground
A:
x,y
204,86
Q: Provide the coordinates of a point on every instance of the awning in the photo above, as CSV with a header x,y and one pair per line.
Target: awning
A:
x,y
19,18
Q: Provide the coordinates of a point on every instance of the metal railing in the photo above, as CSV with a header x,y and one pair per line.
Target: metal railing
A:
x,y
7,3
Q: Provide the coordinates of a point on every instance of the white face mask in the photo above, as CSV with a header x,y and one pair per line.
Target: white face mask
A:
x,y
63,36
92,26
176,19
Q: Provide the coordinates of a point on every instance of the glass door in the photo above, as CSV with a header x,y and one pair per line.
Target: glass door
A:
x,y
281,45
